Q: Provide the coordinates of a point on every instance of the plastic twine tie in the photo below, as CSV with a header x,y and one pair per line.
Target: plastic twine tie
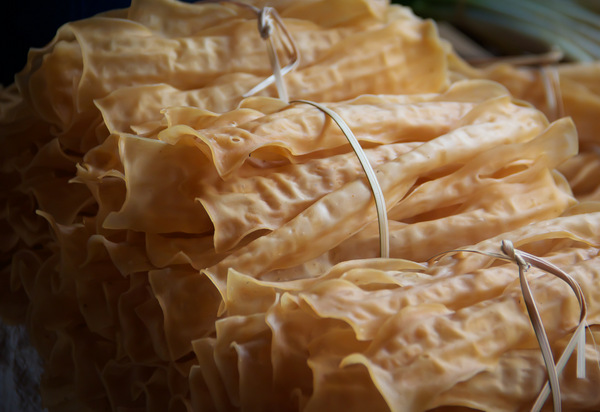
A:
x,y
269,23
524,261
384,237
536,321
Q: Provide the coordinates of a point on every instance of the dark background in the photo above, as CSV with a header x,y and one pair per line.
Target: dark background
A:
x,y
33,23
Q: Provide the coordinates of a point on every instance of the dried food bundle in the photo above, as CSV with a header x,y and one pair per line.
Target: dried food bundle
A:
x,y
172,245
558,90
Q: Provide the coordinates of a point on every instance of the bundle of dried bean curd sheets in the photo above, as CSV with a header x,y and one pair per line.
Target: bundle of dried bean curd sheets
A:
x,y
558,90
173,246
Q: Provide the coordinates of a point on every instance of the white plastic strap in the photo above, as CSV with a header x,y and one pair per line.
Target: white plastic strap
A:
x,y
384,237
269,22
523,261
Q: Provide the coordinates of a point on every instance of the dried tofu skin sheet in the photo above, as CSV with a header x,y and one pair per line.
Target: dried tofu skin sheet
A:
x,y
560,90
253,150
372,324
214,54
582,171
65,90
351,66
173,245
299,241
580,98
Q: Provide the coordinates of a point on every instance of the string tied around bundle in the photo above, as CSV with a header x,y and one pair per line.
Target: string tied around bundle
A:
x,y
270,23
384,237
524,261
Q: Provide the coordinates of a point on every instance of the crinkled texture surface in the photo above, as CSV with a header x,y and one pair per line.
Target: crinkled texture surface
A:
x,y
574,87
173,246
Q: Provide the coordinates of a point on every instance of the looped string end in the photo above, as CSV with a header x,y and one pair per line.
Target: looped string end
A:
x,y
268,23
524,261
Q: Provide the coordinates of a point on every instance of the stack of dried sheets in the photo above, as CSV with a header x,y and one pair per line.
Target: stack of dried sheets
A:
x,y
174,246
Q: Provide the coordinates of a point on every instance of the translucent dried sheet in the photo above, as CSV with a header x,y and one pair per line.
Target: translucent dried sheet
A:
x,y
74,358
586,74
457,284
398,62
116,300
316,226
334,387
420,240
299,129
170,205
271,196
580,95
294,331
55,69
580,226
355,65
580,171
135,338
189,62
128,108
178,249
404,351
239,206
160,15
514,163
469,222
116,377
90,59
516,378
304,332
472,203
242,349
189,304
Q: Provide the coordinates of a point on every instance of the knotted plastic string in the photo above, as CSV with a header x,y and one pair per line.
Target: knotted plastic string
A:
x,y
384,236
269,22
524,261
536,321
267,17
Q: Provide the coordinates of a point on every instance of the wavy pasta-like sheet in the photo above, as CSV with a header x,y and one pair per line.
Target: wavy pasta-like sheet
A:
x,y
183,291
574,86
393,358
396,178
520,372
300,130
278,194
174,246
298,328
171,207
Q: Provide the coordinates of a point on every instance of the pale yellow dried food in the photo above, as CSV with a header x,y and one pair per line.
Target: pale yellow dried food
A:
x,y
518,373
313,232
209,61
214,252
577,88
423,317
566,89
69,92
